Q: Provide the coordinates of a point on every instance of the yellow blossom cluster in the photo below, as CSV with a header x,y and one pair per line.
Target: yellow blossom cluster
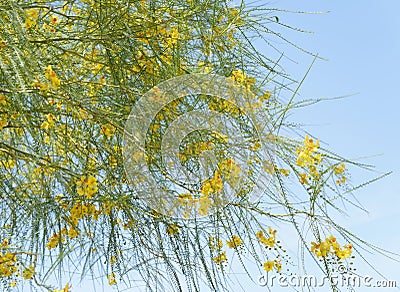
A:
x,y
172,229
265,96
307,157
49,123
108,130
56,239
284,171
224,106
269,266
268,241
306,154
29,272
338,171
213,185
78,211
10,266
220,258
32,16
3,108
111,279
210,189
240,77
51,76
229,169
194,149
331,246
87,186
235,242
65,289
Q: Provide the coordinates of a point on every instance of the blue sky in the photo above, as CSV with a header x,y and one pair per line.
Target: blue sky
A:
x,y
361,42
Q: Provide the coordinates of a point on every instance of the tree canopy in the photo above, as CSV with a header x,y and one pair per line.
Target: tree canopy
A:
x,y
76,80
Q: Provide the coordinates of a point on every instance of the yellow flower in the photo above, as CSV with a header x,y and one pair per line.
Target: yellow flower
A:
x,y
239,76
305,154
267,241
318,158
268,266
278,266
339,169
324,249
265,96
345,252
270,241
8,164
31,19
32,13
52,77
54,19
87,186
45,125
5,243
340,181
313,171
272,232
111,279
285,172
54,240
3,123
303,178
66,289
72,233
314,247
234,242
173,229
230,168
216,183
259,234
206,188
108,130
220,258
28,272
3,100
49,123
302,159
213,185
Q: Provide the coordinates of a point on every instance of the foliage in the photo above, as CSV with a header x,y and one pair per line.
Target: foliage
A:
x,y
70,72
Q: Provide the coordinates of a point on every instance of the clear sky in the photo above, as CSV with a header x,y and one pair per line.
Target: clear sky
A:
x,y
361,41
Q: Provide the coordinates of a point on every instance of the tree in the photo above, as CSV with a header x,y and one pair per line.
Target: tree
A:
x,y
86,185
